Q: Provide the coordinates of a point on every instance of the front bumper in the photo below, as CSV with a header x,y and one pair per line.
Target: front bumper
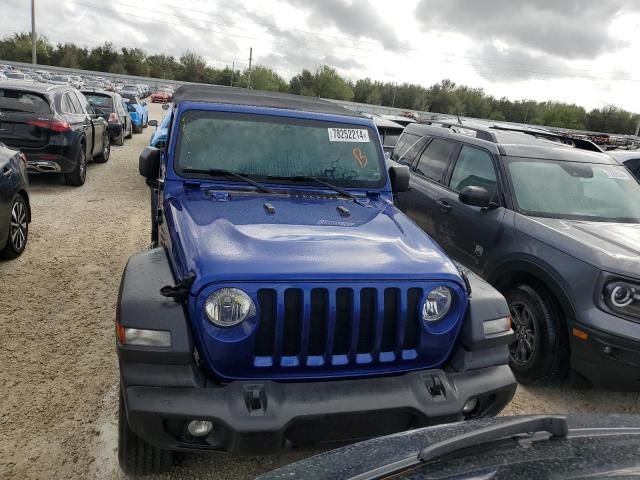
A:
x,y
606,360
269,417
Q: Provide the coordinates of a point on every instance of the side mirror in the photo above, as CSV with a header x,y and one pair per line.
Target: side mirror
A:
x,y
475,197
152,123
165,106
149,163
399,176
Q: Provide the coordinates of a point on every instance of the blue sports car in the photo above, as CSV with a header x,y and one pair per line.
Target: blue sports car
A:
x,y
138,111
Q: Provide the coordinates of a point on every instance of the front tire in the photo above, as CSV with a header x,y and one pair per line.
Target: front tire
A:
x,y
130,133
119,140
137,129
18,228
540,350
103,156
79,174
137,457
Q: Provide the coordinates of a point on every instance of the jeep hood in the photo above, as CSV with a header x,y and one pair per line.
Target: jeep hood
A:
x,y
614,247
248,237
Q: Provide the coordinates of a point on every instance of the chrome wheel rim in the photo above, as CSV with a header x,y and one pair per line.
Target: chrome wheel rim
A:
x,y
83,166
106,147
523,348
18,229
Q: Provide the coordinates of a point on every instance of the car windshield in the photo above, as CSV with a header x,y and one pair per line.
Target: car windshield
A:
x,y
262,146
574,190
60,78
21,101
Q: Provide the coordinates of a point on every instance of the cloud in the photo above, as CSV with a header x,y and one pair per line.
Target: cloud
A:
x,y
358,19
576,29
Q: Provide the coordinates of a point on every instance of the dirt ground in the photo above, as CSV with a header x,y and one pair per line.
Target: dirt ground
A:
x,y
58,369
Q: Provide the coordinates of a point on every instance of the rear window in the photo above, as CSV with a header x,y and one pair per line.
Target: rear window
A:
x,y
19,76
100,101
22,101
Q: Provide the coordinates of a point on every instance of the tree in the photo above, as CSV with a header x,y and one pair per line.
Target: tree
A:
x,y
328,84
193,67
134,62
303,84
263,78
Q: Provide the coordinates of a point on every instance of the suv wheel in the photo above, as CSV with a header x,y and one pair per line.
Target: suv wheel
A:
x,y
103,156
119,140
18,229
137,457
79,174
539,351
130,131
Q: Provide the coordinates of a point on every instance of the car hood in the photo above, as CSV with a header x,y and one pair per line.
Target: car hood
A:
x,y
231,236
614,247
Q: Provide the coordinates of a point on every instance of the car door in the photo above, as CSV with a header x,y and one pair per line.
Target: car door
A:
x,y
98,124
78,119
470,234
421,202
8,176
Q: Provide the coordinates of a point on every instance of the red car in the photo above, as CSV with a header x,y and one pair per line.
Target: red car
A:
x,y
162,96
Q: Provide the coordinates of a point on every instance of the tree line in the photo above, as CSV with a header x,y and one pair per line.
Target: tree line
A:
x,y
444,97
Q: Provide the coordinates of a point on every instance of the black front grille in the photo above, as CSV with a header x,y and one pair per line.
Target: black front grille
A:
x,y
315,326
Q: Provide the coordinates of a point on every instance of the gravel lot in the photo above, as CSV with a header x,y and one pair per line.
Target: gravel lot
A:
x,y
58,370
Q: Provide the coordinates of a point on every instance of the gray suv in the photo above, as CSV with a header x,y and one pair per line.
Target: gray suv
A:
x,y
553,223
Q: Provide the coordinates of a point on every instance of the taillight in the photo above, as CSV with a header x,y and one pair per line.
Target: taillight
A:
x,y
55,125
113,118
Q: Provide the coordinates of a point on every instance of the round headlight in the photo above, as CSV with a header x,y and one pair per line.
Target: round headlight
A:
x,y
228,307
621,296
437,304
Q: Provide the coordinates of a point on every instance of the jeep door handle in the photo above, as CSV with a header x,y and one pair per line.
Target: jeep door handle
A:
x,y
444,206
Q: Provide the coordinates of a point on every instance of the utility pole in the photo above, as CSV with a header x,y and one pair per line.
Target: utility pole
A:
x,y
393,102
233,69
250,63
34,60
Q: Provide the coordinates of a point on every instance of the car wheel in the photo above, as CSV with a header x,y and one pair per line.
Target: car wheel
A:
x,y
137,129
137,457
540,350
79,174
103,156
119,140
146,123
18,229
130,133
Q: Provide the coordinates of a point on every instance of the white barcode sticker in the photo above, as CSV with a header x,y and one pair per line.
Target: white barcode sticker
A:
x,y
348,135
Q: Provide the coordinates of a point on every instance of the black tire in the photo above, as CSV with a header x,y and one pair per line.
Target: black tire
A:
x,y
103,156
137,129
137,457
146,123
119,140
18,228
130,134
540,350
79,174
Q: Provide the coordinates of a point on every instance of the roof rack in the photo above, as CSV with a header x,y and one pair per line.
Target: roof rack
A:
x,y
481,132
577,142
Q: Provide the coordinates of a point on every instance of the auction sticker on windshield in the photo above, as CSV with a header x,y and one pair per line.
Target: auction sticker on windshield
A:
x,y
348,135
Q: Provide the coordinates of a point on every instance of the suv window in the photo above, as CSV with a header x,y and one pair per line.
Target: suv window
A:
x,y
409,156
474,168
435,159
65,104
76,104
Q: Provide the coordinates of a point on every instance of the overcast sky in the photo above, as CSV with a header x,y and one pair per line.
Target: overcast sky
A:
x,y
582,51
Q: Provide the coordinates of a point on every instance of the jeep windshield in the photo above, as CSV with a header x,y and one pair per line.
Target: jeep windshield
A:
x,y
574,190
272,149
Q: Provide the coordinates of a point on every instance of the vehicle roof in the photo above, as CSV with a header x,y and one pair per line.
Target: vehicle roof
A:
x,y
382,122
399,118
624,155
258,98
33,86
104,93
513,143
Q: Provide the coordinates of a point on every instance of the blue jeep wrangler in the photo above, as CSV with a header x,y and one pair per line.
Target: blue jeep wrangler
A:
x,y
285,301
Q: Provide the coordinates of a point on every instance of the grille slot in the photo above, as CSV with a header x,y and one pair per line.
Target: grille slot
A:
x,y
301,327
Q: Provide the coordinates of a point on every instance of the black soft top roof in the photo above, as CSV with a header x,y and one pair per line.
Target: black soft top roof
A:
x,y
258,98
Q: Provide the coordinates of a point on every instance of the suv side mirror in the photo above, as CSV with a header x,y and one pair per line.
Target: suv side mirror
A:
x,y
475,197
399,176
149,163
152,123
165,106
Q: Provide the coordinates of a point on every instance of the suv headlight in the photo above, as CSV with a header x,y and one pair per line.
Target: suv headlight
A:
x,y
437,304
623,297
228,307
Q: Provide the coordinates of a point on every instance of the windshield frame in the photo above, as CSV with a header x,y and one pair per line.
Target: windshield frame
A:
x,y
174,171
506,160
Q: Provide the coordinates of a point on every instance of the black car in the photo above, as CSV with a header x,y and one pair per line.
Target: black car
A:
x,y
55,127
541,447
15,210
554,224
109,105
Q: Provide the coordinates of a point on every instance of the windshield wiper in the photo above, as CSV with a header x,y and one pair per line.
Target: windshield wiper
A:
x,y
319,181
216,172
556,426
